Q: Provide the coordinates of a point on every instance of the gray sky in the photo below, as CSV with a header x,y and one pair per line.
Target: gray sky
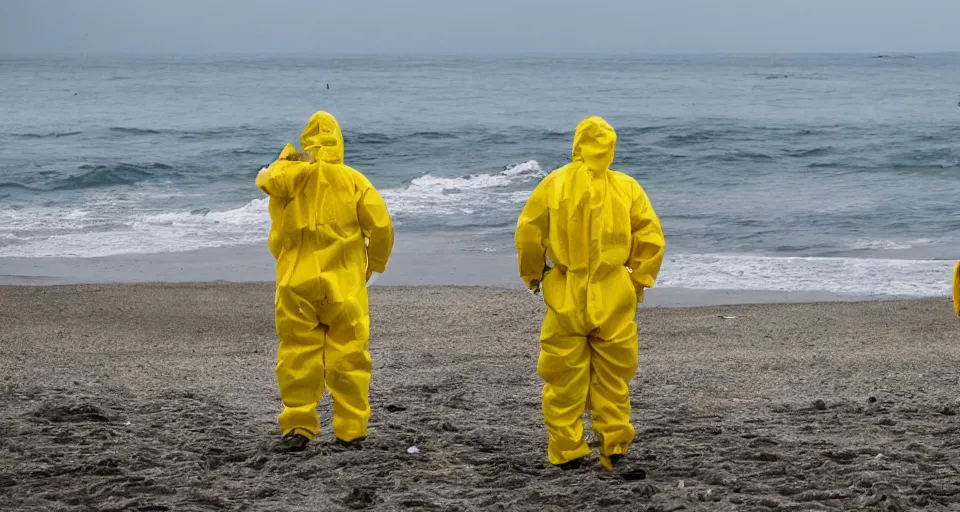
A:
x,y
479,26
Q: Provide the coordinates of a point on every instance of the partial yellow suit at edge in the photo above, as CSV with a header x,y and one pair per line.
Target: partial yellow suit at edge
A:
x,y
956,288
329,230
606,245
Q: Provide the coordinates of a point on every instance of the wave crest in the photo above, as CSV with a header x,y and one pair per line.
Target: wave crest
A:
x,y
435,195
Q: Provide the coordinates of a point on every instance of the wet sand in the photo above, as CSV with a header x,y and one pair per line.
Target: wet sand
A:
x,y
162,397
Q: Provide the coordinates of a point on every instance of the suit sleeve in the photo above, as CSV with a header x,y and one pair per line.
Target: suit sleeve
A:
x,y
283,178
530,238
376,225
646,241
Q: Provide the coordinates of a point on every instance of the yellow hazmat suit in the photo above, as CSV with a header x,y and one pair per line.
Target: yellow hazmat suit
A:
x,y
330,230
956,288
605,243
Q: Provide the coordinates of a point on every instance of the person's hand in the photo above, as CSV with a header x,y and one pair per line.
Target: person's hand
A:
x,y
369,273
535,287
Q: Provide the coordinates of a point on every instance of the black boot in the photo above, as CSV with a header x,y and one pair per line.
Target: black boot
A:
x,y
355,444
622,467
571,465
293,441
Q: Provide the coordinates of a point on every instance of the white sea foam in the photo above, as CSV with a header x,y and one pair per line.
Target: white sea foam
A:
x,y
434,195
109,224
889,245
110,230
852,276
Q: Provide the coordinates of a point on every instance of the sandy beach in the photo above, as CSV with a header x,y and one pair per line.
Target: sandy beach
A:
x,y
163,397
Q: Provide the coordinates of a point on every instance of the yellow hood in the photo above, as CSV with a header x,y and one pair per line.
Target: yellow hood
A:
x,y
323,137
594,144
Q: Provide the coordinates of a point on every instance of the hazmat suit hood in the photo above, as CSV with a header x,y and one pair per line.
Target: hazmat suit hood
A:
x,y
323,138
594,144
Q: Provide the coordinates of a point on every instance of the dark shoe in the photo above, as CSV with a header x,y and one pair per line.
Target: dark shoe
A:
x,y
356,444
619,465
571,465
293,442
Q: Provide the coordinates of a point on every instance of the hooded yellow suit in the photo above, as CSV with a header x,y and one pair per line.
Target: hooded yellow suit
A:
x,y
329,230
604,240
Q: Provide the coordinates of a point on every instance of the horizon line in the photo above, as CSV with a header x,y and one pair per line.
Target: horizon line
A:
x,y
73,53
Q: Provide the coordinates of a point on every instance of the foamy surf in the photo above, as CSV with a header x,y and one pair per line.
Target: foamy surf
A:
x,y
109,229
847,276
108,225
438,196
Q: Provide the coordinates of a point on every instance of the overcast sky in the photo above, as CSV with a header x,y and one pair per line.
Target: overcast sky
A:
x,y
479,26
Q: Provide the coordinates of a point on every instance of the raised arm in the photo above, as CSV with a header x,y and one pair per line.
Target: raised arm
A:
x,y
284,176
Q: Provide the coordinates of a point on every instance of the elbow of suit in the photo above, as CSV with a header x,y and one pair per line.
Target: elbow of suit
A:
x,y
263,181
641,281
263,175
378,253
377,265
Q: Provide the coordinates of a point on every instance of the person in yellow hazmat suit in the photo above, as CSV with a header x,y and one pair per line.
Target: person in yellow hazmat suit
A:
x,y
590,239
330,230
956,288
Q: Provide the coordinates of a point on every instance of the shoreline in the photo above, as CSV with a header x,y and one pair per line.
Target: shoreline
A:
x,y
445,266
679,298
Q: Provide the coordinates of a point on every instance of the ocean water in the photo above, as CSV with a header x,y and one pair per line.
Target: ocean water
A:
x,y
836,173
